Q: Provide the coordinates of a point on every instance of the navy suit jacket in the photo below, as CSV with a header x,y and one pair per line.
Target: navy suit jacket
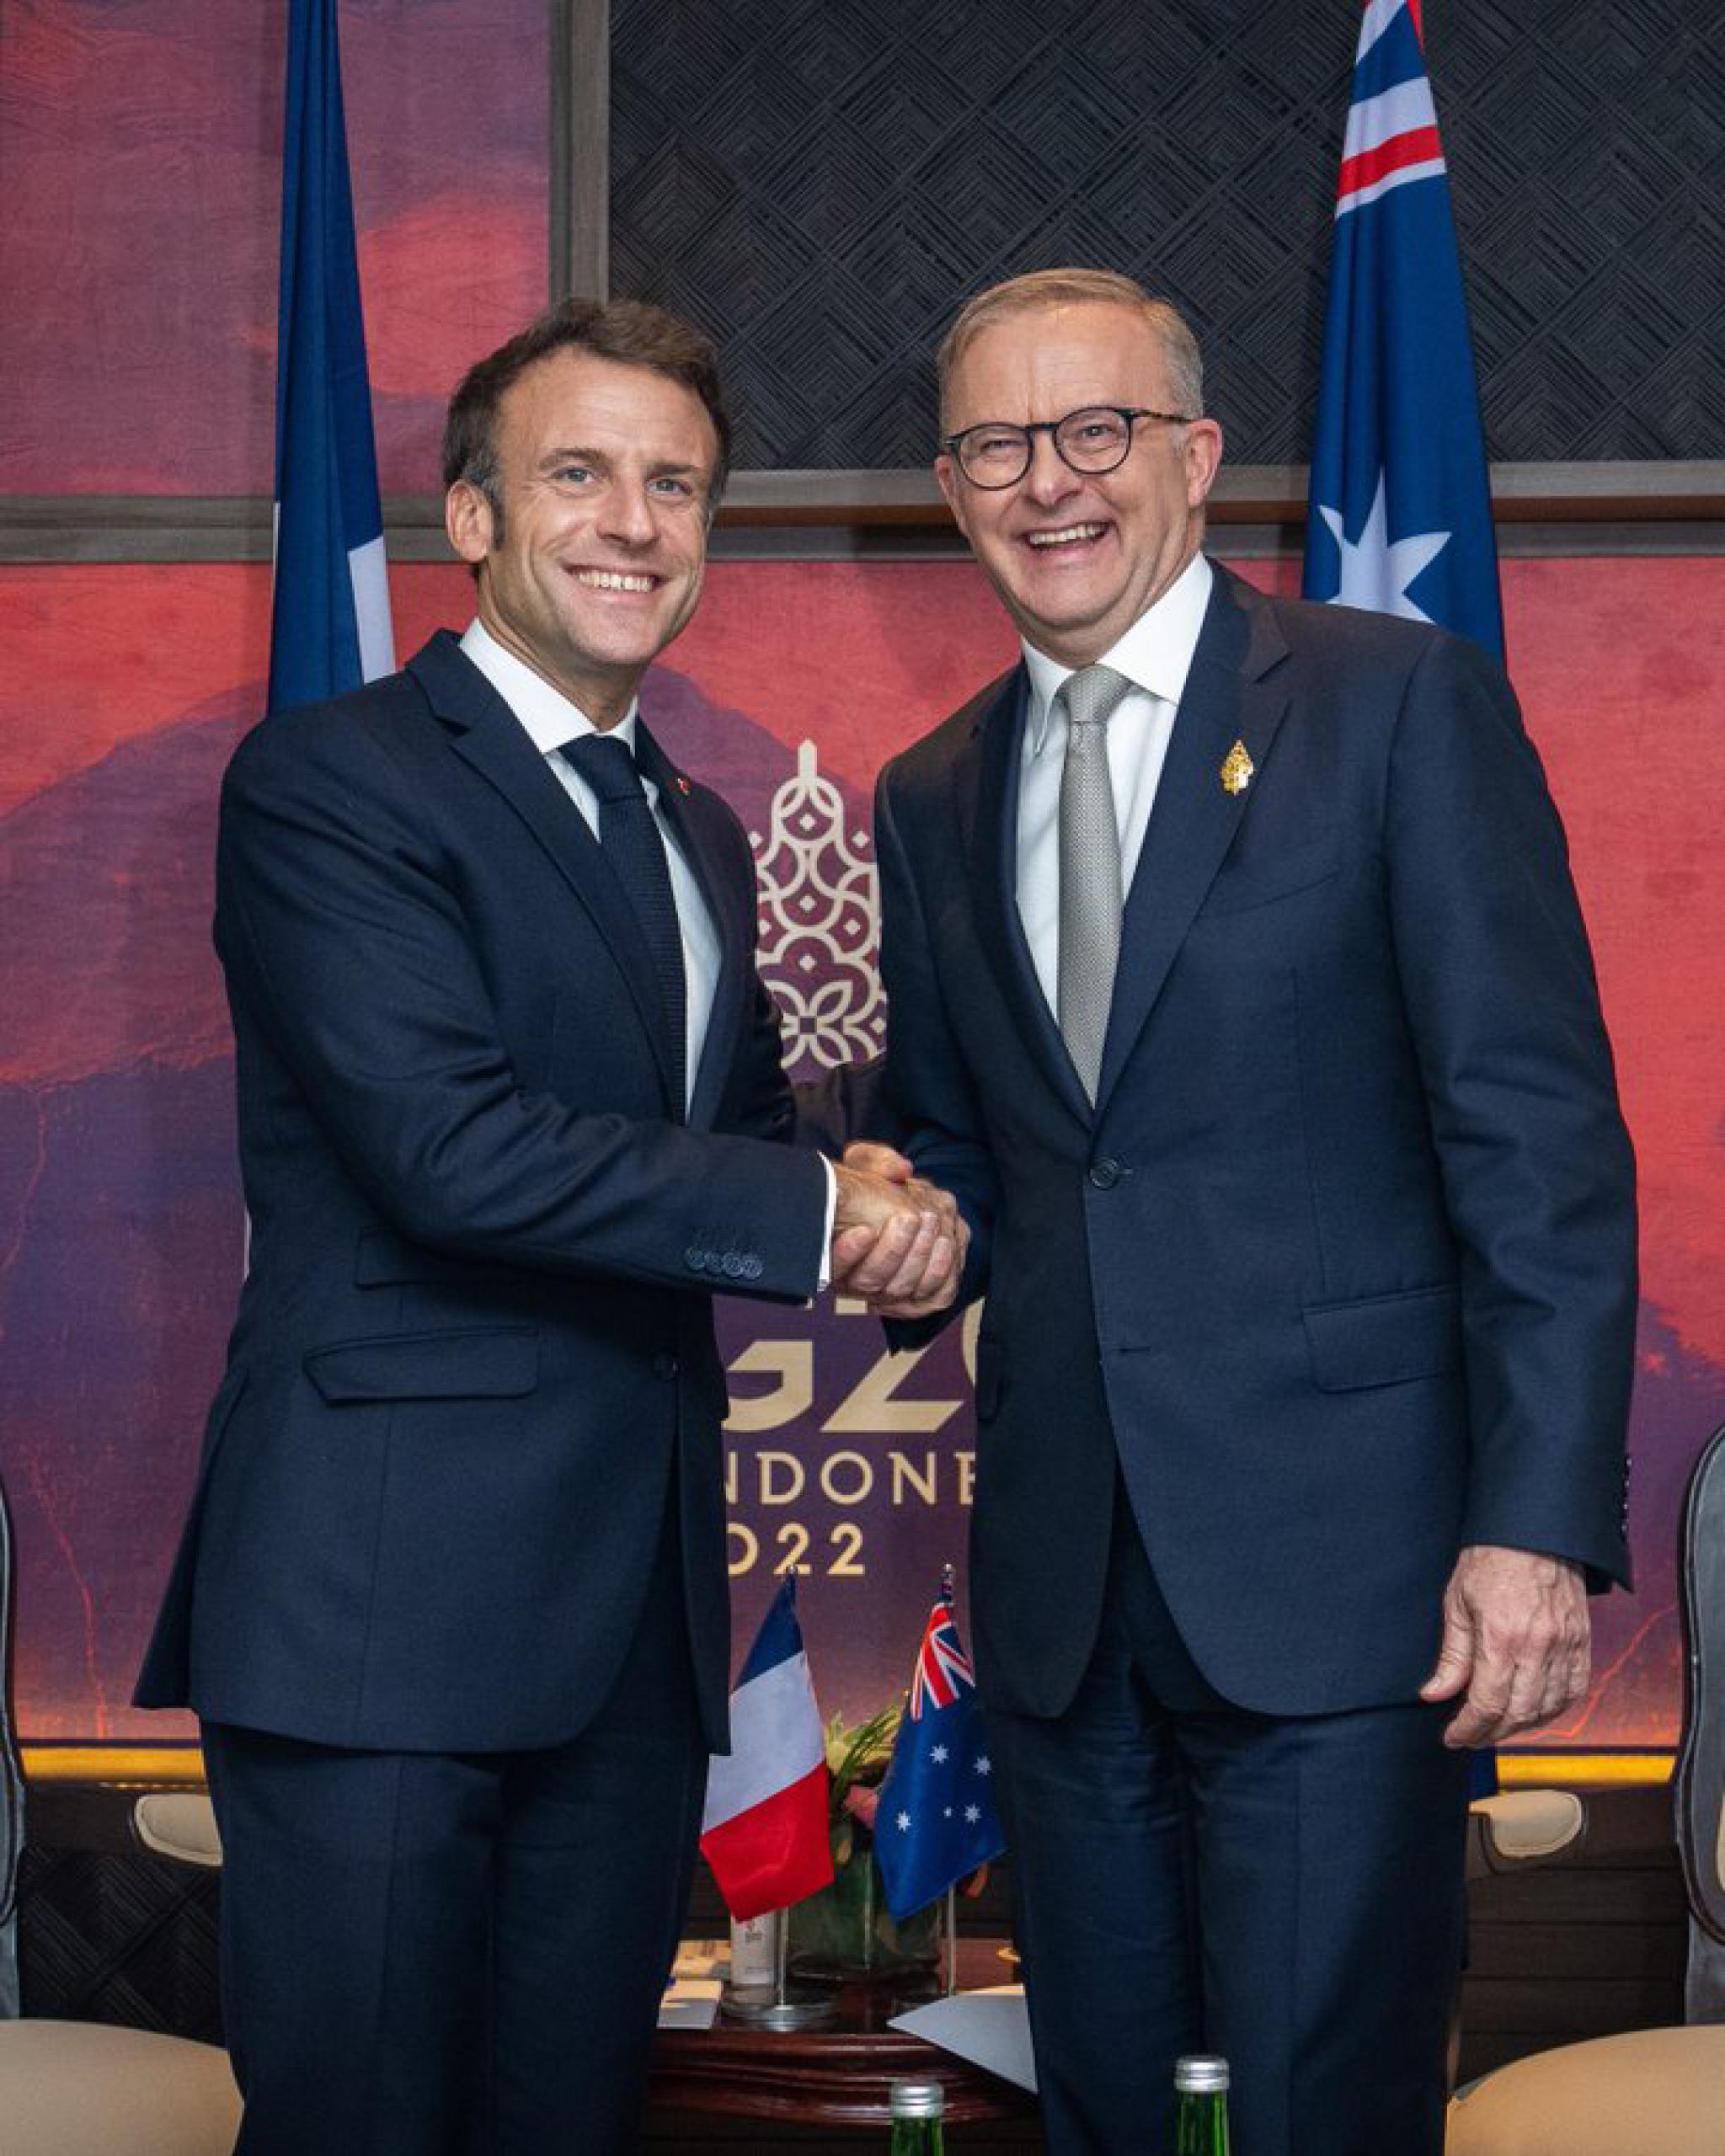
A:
x,y
475,1343
1341,1266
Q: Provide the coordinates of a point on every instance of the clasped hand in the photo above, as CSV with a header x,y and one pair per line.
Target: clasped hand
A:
x,y
898,1242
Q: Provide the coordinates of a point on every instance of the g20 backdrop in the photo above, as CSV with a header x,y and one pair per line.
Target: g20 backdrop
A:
x,y
120,1217
142,140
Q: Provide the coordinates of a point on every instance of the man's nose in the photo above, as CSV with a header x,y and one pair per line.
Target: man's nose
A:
x,y
627,513
1049,477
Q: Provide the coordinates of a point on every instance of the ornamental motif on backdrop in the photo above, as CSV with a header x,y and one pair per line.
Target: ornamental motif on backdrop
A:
x,y
819,916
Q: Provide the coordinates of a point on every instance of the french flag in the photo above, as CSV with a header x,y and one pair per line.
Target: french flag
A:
x,y
329,620
763,1834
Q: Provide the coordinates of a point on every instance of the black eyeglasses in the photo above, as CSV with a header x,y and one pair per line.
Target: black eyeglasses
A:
x,y
997,454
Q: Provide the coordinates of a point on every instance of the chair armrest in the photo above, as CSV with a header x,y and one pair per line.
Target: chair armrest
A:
x,y
178,1823
1521,1827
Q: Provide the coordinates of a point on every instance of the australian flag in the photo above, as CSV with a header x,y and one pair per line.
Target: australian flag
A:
x,y
936,1820
329,626
1400,519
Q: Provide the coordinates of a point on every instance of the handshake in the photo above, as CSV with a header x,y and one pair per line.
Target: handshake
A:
x,y
897,1242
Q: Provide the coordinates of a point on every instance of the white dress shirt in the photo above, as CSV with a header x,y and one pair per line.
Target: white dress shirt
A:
x,y
550,719
1155,655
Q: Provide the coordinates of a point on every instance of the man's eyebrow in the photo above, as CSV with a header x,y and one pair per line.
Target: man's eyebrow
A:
x,y
572,456
666,468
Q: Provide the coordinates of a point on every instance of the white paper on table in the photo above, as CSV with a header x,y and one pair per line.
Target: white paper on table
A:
x,y
990,2029
690,2003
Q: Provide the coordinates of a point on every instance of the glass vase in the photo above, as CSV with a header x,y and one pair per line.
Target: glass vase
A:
x,y
846,1932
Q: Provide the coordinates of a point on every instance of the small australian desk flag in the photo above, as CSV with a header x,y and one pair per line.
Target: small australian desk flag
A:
x,y
936,1820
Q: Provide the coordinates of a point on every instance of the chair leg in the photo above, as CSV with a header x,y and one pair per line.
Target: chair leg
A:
x,y
1704,1994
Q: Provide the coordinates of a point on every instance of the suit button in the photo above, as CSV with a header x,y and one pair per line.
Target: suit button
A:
x,y
664,1366
1105,1174
695,1258
752,1268
733,1265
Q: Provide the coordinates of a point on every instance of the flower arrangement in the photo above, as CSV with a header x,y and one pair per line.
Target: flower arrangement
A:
x,y
857,1760
846,1929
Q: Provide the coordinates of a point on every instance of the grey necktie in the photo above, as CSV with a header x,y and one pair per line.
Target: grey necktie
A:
x,y
1090,869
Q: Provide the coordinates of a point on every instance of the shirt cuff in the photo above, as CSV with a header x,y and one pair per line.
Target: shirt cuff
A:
x,y
824,1281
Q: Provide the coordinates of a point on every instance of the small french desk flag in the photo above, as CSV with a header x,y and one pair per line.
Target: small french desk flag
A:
x,y
765,1830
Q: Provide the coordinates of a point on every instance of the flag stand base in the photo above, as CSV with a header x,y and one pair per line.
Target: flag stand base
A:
x,y
763,2006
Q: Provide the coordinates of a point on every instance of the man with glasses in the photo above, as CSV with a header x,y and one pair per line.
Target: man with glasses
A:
x,y
1239,992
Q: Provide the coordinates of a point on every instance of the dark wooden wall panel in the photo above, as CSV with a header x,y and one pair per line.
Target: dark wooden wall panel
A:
x,y
1585,1947
819,185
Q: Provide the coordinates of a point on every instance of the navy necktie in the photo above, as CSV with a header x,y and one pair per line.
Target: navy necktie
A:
x,y
636,852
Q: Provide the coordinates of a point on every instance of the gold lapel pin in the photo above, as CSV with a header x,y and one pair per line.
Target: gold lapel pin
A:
x,y
1238,769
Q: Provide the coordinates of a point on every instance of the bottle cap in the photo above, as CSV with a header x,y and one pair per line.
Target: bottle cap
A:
x,y
1201,2075
916,2100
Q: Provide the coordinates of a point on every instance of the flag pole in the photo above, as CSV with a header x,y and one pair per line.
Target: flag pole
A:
x,y
952,1940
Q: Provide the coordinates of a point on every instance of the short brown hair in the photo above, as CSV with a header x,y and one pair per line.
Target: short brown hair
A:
x,y
1078,287
632,332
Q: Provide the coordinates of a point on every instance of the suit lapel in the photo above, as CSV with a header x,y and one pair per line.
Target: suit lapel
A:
x,y
490,737
1231,694
695,825
988,815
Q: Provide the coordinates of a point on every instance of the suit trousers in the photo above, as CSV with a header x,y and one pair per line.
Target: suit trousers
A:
x,y
461,1955
1188,1876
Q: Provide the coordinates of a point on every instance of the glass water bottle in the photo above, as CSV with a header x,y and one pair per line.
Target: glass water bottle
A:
x,y
917,2108
1201,2101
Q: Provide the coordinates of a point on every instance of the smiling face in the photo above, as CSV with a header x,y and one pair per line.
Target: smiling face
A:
x,y
1076,557
604,471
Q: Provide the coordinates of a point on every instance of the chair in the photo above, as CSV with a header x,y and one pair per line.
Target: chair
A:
x,y
1650,2092
85,2088
11,1788
1701,1757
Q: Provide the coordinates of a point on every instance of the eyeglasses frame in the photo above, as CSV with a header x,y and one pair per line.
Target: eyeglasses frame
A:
x,y
1030,429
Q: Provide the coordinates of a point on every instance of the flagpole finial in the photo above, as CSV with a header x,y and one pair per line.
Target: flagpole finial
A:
x,y
946,1581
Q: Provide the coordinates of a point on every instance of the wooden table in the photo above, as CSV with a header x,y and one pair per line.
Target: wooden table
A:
x,y
831,2081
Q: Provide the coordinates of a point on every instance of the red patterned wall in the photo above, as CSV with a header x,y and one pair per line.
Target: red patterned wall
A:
x,y
120,1220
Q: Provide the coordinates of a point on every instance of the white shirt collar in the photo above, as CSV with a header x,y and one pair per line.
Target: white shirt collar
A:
x,y
1154,653
548,716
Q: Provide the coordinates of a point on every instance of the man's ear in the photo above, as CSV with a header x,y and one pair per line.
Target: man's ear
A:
x,y
1204,458
947,473
468,520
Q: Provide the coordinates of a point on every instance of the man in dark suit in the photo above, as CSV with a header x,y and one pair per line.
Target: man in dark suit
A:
x,y
1239,992
452,1601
